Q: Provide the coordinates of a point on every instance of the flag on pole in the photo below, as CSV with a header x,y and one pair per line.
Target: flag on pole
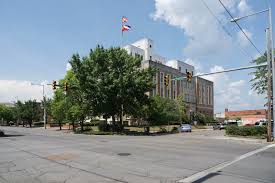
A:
x,y
124,19
126,27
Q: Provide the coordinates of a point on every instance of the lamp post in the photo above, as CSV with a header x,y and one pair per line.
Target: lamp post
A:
x,y
44,100
271,63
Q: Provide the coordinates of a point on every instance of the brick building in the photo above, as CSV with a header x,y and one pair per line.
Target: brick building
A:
x,y
247,116
198,94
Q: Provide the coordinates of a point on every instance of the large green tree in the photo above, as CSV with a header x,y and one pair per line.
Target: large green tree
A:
x,y
112,82
59,107
259,80
31,111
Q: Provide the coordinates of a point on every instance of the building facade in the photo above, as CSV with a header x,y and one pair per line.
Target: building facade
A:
x,y
197,93
246,116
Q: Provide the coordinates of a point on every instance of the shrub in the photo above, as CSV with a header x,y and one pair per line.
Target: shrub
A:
x,y
175,129
163,130
38,124
103,126
246,130
117,127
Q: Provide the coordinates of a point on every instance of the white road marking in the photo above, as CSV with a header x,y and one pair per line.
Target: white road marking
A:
x,y
214,169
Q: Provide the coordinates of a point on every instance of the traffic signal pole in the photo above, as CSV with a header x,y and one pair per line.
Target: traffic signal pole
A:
x,y
223,71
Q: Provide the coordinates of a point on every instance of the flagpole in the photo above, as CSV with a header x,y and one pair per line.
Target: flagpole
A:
x,y
121,32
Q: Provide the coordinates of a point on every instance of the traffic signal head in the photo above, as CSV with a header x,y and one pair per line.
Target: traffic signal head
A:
x,y
166,80
189,76
66,86
54,85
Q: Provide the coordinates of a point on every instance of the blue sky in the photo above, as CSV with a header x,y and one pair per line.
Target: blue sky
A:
x,y
38,38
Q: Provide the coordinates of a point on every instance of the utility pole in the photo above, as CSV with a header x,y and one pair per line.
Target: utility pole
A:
x,y
269,92
272,64
44,101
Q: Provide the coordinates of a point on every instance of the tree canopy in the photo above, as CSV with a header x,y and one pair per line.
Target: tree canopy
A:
x,y
259,80
112,82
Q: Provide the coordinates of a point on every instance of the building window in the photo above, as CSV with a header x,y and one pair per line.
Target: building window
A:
x,y
179,68
174,94
186,70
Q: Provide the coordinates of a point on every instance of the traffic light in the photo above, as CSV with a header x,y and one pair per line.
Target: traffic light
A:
x,y
66,86
54,85
189,76
166,80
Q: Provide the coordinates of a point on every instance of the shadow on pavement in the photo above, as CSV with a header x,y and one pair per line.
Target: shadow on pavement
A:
x,y
206,177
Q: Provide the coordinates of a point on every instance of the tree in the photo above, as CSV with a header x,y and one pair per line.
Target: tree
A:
x,y
7,113
112,82
200,118
77,107
182,109
163,110
59,107
259,80
31,111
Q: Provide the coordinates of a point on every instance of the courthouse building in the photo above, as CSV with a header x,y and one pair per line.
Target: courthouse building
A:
x,y
197,93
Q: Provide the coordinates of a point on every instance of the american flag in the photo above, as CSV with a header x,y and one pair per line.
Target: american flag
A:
x,y
124,19
126,27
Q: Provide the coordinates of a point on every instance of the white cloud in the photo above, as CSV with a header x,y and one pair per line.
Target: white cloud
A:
x,y
204,33
233,94
68,67
242,39
237,83
11,90
195,63
244,8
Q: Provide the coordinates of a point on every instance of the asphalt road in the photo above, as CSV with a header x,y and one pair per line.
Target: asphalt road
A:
x,y
47,156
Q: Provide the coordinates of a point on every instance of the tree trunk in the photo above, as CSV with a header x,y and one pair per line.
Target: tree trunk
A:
x,y
73,126
30,123
81,123
60,126
121,115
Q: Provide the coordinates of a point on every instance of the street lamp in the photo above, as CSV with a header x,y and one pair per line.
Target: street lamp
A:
x,y
269,50
44,100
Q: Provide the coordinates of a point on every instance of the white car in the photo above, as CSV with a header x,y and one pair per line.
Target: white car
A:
x,y
261,123
185,128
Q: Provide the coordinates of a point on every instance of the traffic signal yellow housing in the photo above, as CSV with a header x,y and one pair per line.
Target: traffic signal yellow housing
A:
x,y
166,80
189,76
54,85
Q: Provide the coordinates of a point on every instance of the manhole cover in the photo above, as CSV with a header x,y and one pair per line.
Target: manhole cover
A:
x,y
124,154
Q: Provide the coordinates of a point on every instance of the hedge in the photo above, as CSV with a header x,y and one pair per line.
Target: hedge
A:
x,y
246,130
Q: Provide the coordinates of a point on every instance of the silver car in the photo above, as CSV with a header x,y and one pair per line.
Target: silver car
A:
x,y
185,128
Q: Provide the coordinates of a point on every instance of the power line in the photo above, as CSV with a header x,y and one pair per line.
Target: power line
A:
x,y
224,28
241,28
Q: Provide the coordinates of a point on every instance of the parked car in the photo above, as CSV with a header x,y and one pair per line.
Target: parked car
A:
x,y
2,133
219,126
185,128
261,123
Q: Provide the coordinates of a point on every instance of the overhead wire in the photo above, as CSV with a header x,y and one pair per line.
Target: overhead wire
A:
x,y
241,28
224,28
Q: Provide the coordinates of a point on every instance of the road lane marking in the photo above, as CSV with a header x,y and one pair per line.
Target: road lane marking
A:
x,y
218,167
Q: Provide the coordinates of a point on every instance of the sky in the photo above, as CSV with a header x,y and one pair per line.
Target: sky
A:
x,y
37,38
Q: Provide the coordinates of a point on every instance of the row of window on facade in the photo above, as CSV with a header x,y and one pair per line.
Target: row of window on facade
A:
x,y
182,87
